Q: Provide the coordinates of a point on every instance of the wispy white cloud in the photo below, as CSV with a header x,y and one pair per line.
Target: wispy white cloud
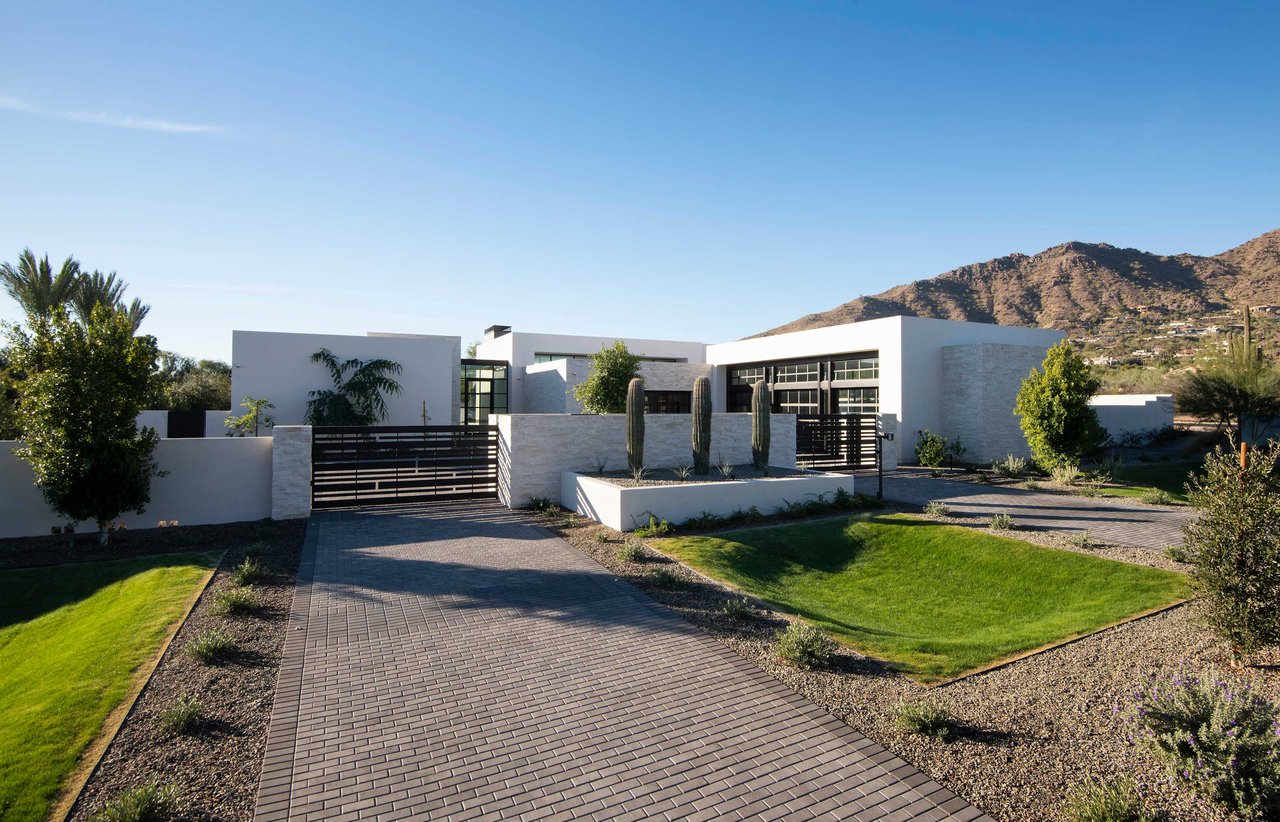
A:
x,y
105,118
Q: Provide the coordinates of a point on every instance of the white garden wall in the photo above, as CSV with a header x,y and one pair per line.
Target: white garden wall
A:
x,y
535,449
214,422
213,480
1122,414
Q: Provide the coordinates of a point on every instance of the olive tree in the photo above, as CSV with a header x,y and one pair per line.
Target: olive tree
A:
x,y
1234,547
604,391
1053,403
85,384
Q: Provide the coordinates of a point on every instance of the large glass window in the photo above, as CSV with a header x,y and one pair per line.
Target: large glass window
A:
x,y
542,357
860,368
857,400
668,402
483,391
796,372
746,376
795,401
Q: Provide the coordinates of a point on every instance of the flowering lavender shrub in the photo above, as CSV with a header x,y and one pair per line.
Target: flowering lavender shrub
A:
x,y
1222,739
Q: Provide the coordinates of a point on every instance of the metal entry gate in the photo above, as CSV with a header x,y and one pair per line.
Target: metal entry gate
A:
x,y
388,464
836,442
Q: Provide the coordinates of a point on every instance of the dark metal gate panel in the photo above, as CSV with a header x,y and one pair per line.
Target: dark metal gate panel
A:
x,y
836,441
186,424
359,466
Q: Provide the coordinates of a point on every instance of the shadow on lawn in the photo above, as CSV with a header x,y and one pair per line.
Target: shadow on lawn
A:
x,y
29,593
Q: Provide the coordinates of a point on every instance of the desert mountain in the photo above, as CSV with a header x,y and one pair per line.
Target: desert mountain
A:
x,y
1076,286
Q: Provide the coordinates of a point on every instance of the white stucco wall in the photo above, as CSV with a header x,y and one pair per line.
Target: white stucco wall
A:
x,y
519,347
1123,414
278,366
534,449
214,422
222,479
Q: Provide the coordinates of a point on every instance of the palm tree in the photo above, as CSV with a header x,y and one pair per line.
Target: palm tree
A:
x,y
356,399
107,291
36,287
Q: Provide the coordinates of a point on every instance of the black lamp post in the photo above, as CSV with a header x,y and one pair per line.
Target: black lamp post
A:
x,y
881,439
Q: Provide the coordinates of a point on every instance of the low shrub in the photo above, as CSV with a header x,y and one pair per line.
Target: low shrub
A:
x,y
1081,540
1220,738
1119,801
1066,474
683,472
211,645
704,521
1177,553
631,551
600,537
1089,490
248,572
236,601
1157,496
655,528
727,470
737,608
1001,522
1010,466
544,505
1032,485
931,448
257,550
925,717
666,579
1108,468
937,508
805,646
183,715
147,803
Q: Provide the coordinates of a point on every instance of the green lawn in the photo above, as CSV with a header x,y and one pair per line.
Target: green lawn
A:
x,y
932,600
72,638
1143,477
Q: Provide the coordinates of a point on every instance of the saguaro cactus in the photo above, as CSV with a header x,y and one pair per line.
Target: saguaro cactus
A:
x,y
701,426
635,424
760,426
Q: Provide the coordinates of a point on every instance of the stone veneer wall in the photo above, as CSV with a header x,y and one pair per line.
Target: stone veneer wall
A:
x,y
533,449
980,385
291,471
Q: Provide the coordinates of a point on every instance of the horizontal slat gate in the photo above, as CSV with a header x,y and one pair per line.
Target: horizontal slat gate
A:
x,y
836,441
388,464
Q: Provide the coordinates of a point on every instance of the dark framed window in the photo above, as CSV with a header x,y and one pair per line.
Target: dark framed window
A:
x,y
796,372
542,356
857,400
794,401
668,402
860,368
483,391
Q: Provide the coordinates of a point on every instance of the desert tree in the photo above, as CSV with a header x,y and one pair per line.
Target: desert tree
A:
x,y
604,391
1239,387
1053,404
1234,546
85,386
358,395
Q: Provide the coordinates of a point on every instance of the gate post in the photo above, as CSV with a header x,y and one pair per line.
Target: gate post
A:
x,y
888,424
291,472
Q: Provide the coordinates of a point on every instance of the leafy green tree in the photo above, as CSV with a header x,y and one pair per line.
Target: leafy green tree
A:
x,y
1053,403
357,394
191,385
604,391
253,420
85,385
1234,547
10,392
1238,388
37,287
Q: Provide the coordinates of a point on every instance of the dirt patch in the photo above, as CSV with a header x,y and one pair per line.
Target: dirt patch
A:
x,y
1027,732
215,766
31,552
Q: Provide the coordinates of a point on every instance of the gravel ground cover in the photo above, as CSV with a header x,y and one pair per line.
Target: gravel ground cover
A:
x,y
214,764
1026,733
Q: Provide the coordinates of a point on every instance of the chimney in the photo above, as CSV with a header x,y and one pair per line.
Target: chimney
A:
x,y
493,332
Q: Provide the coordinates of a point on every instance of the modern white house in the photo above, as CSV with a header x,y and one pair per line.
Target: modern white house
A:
x,y
958,379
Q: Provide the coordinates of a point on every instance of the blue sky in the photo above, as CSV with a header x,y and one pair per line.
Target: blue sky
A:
x,y
693,170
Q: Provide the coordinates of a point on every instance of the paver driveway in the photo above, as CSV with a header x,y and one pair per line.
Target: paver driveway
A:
x,y
1108,519
456,661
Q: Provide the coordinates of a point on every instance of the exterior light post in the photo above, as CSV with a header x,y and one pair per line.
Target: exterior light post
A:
x,y
881,439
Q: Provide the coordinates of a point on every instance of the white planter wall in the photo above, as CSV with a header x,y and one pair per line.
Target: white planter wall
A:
x,y
535,449
1124,414
625,509
224,479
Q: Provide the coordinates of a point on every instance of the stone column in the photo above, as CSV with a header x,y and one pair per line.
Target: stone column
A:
x,y
291,472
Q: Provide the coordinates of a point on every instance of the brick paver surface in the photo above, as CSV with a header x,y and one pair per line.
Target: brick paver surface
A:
x,y
456,661
1108,519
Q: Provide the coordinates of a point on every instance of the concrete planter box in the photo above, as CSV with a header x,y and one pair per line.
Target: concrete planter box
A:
x,y
625,509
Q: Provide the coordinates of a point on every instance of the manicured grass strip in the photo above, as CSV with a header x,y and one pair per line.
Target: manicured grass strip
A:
x,y
72,638
1143,478
932,600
